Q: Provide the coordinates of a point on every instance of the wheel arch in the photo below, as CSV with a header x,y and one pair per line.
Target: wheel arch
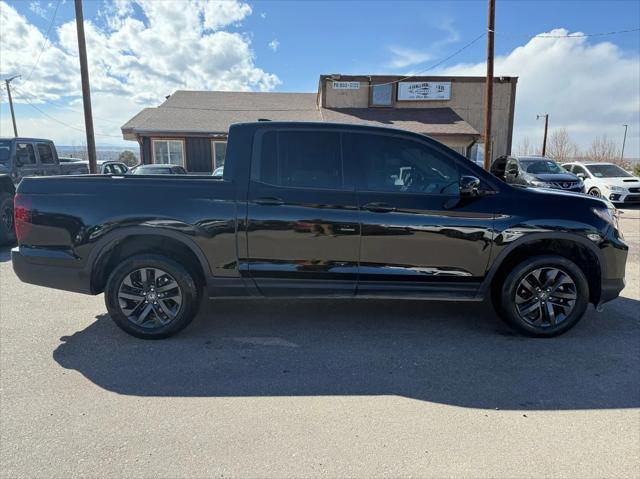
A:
x,y
128,242
576,248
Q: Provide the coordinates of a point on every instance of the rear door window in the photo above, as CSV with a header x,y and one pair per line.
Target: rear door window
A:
x,y
25,153
300,159
45,153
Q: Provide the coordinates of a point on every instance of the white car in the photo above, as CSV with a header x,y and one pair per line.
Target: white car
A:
x,y
607,180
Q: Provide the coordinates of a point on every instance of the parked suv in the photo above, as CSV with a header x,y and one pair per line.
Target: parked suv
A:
x,y
322,210
537,172
607,180
22,157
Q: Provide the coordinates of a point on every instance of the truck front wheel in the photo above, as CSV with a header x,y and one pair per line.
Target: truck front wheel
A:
x,y
151,296
543,296
7,230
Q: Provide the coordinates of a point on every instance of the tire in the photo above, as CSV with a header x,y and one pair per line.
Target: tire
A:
x,y
7,227
130,300
537,301
595,192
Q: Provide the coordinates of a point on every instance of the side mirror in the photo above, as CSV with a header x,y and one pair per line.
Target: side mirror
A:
x,y
581,176
469,186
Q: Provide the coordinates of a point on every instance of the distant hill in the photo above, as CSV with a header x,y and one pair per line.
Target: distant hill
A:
x,y
103,152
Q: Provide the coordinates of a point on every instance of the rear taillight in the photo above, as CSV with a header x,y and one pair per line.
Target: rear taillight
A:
x,y
22,216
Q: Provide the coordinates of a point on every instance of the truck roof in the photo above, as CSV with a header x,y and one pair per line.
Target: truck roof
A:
x,y
25,138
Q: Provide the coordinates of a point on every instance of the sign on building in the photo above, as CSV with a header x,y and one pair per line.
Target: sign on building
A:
x,y
346,85
424,90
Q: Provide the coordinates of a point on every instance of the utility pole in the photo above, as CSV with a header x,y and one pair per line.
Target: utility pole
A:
x,y
86,91
546,128
624,140
488,95
13,115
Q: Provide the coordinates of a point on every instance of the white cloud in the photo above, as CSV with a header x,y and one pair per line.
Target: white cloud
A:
x,y
263,15
133,61
38,9
403,57
590,88
274,44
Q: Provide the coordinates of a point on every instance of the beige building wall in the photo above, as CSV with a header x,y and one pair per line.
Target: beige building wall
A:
x,y
467,100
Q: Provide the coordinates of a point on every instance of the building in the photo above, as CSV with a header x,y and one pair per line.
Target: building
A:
x,y
190,128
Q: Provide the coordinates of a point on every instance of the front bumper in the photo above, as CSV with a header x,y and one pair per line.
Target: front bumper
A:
x,y
629,198
610,289
50,268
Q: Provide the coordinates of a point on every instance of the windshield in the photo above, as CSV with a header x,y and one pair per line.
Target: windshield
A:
x,y
541,166
151,171
607,171
5,148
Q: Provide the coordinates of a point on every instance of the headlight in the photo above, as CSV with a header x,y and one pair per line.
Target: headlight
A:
x,y
619,189
541,184
610,215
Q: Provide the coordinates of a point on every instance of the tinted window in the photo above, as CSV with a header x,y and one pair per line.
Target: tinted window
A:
x,y
45,153
25,153
578,169
119,169
303,159
388,163
541,166
5,148
608,171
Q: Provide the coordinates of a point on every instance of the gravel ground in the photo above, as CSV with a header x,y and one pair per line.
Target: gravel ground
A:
x,y
317,389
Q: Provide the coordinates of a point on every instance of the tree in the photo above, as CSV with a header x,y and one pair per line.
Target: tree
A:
x,y
524,147
128,158
560,147
603,149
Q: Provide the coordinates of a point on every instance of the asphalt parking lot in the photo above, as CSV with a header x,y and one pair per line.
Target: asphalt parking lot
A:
x,y
317,389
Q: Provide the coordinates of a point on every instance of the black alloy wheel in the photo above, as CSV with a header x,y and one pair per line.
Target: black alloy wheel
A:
x,y
543,296
152,296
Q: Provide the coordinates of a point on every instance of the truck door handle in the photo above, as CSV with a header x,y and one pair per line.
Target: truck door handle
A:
x,y
379,207
269,201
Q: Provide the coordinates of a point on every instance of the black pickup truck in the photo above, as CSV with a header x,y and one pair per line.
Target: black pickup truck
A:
x,y
320,210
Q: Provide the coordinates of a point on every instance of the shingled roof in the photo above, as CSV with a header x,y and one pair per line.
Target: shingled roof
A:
x,y
213,112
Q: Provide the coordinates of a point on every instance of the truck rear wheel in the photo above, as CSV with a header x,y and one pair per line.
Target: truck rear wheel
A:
x,y
151,296
543,296
7,229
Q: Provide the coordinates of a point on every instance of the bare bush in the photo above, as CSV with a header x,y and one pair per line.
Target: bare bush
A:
x,y
560,147
603,149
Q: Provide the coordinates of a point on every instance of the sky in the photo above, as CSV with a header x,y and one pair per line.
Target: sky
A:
x,y
142,50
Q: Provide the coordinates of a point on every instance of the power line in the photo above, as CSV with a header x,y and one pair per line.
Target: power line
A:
x,y
46,40
64,107
60,121
576,35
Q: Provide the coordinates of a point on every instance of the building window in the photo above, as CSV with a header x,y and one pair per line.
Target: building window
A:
x,y
168,152
382,95
219,150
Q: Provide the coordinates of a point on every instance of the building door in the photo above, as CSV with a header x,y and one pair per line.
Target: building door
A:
x,y
302,227
416,239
